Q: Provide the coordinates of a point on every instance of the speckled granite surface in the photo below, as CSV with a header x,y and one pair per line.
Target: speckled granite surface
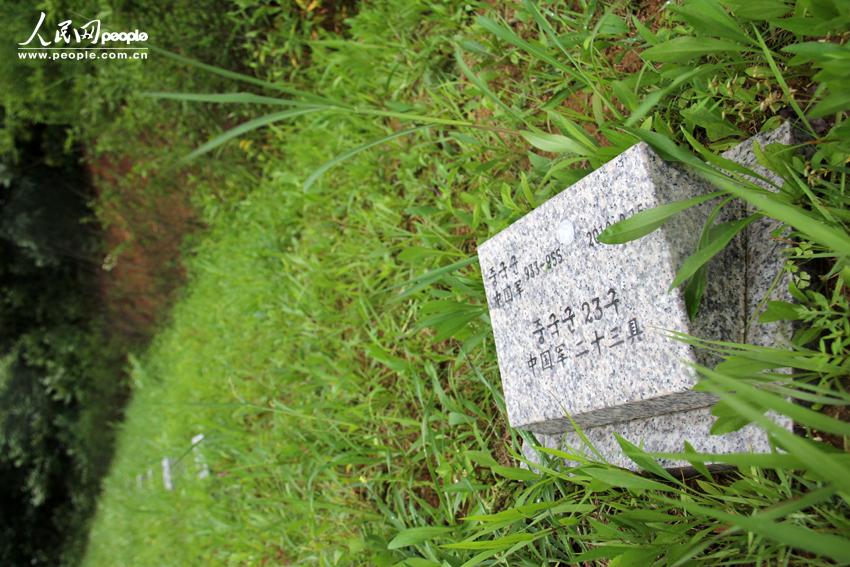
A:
x,y
660,434
764,277
579,326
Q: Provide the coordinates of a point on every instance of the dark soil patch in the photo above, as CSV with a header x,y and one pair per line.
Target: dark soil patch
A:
x,y
144,228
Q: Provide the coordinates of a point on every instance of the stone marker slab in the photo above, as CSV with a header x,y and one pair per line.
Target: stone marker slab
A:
x,y
659,434
581,328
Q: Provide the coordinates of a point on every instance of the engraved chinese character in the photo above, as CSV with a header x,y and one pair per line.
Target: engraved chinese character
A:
x,y
553,322
595,342
518,288
568,318
582,353
532,362
613,301
538,331
615,334
546,360
561,351
508,294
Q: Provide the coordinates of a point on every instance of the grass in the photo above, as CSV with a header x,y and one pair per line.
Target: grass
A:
x,y
333,344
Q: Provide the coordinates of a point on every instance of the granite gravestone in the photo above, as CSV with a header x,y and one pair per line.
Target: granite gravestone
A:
x,y
580,327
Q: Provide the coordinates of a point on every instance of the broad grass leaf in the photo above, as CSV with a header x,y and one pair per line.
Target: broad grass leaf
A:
x,y
604,551
719,236
570,508
528,511
483,458
642,458
710,119
694,291
418,562
644,222
497,543
684,49
802,359
572,130
480,558
555,143
780,311
697,284
515,473
709,18
611,24
728,424
812,27
644,32
835,101
456,418
622,89
413,536
567,456
728,420
758,9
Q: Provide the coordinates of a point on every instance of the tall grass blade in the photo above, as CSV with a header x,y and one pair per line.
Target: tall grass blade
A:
x,y
233,98
244,128
237,76
318,172
644,222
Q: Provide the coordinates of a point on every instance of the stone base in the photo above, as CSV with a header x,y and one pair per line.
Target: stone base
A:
x,y
660,434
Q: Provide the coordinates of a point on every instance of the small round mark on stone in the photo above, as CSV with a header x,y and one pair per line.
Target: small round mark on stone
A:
x,y
566,232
